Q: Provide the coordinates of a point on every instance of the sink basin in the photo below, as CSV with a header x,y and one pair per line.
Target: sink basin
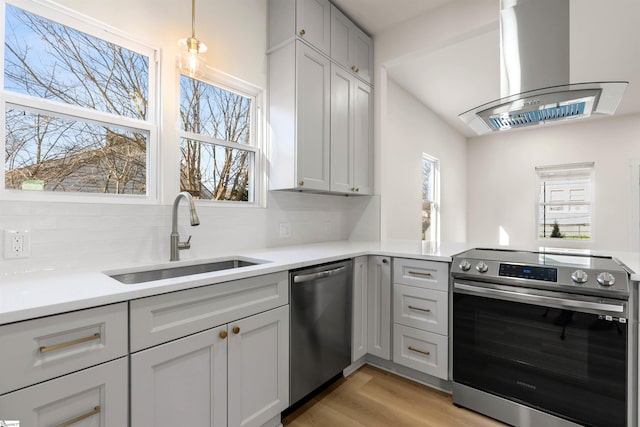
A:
x,y
133,277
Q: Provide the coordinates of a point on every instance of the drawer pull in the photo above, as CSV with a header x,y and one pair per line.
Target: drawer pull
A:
x,y
46,349
426,353
77,419
426,310
419,273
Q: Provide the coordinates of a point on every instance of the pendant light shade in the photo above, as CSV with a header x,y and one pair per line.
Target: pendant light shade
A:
x,y
189,60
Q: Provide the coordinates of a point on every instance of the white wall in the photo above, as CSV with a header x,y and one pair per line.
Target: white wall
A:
x,y
412,129
81,235
502,188
405,128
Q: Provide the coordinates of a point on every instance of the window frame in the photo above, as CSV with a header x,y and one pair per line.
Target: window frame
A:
x,y
227,82
576,171
436,195
102,31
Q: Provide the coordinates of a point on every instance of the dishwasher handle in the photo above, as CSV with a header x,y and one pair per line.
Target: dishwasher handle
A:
x,y
319,275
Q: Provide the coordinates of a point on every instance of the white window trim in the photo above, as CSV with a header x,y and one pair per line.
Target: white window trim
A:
x,y
235,85
436,192
98,29
541,171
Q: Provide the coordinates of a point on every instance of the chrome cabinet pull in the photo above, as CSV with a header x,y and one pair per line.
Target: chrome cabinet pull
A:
x,y
46,349
426,353
77,419
426,310
419,273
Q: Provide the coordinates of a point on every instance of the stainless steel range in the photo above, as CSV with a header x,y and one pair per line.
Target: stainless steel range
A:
x,y
544,339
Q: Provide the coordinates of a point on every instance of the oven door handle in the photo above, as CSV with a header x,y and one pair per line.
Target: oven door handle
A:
x,y
603,308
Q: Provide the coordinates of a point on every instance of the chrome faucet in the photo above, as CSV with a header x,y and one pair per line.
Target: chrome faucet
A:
x,y
176,244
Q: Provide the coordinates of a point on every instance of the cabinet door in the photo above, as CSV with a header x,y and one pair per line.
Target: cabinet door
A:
x,y
359,329
379,307
341,28
361,48
362,138
96,397
181,383
313,22
341,130
313,121
258,368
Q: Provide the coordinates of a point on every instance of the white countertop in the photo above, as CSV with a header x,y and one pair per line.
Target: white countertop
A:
x,y
45,293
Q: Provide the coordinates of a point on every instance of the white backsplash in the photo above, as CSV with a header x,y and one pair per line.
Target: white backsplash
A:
x,y
98,236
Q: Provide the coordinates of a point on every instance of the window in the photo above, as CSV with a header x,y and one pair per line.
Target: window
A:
x,y
430,198
78,108
565,201
218,140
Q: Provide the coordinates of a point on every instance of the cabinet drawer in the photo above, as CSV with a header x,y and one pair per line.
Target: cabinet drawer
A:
x,y
420,350
96,396
426,274
166,317
421,308
48,347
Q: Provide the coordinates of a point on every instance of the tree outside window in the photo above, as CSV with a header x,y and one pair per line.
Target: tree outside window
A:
x,y
77,109
218,152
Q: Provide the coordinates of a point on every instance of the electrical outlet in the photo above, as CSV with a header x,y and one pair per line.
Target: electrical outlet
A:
x,y
17,244
285,230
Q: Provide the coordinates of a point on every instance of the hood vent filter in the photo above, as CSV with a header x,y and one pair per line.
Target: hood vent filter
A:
x,y
535,67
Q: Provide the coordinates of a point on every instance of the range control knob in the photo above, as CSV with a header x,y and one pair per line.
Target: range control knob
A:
x,y
606,279
579,276
482,267
464,265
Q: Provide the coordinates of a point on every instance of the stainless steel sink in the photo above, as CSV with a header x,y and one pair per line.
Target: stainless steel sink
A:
x,y
133,277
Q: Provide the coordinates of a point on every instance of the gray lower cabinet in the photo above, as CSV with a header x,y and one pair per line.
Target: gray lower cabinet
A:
x,y
236,374
67,369
231,374
421,312
95,397
183,382
359,329
379,307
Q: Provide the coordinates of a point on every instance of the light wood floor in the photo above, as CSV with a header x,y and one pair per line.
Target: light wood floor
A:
x,y
371,397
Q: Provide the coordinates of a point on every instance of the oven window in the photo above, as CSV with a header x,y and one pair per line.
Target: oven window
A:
x,y
567,363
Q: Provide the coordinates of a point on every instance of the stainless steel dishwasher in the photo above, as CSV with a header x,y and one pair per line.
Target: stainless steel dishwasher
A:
x,y
320,329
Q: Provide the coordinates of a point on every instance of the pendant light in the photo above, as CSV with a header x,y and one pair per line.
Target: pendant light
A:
x,y
189,60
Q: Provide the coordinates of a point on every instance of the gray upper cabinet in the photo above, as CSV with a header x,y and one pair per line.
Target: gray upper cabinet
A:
x,y
309,20
350,46
320,105
351,133
299,108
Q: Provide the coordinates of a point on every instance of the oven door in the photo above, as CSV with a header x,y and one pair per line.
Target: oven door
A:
x,y
559,353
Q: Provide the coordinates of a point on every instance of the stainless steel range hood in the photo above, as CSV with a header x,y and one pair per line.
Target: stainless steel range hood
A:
x,y
534,72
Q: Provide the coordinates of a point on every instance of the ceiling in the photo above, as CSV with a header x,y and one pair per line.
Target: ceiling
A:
x,y
375,16
605,45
